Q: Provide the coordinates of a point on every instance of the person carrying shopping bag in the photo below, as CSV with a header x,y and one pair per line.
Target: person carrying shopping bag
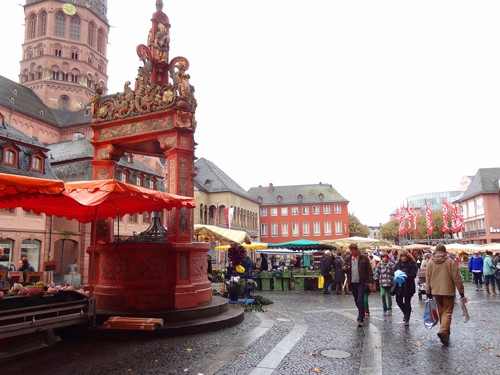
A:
x,y
443,277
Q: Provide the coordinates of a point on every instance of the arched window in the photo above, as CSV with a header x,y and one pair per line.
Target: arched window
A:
x,y
60,24
10,157
32,27
36,163
43,23
64,102
91,34
74,28
100,41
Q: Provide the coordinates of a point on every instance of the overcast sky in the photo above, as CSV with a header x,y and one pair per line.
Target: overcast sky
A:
x,y
381,99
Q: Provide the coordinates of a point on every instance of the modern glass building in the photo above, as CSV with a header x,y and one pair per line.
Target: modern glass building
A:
x,y
433,199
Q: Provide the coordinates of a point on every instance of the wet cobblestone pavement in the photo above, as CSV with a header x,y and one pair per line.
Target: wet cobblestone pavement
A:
x,y
293,336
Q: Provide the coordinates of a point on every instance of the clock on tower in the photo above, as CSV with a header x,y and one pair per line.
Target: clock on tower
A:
x,y
69,9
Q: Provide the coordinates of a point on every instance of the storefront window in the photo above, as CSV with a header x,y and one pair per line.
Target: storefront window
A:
x,y
6,259
31,250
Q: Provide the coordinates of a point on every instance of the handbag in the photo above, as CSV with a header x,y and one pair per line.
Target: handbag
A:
x,y
394,288
321,282
431,316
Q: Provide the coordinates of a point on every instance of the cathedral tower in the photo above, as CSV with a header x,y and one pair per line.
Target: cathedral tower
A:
x,y
64,51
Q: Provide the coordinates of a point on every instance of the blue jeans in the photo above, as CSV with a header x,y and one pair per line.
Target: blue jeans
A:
x,y
489,280
358,292
477,278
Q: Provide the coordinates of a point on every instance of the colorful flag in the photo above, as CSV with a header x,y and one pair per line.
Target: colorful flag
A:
x,y
454,226
402,221
446,228
428,218
459,220
415,217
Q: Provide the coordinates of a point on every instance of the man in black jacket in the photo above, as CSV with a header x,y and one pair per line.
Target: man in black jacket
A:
x,y
359,276
326,270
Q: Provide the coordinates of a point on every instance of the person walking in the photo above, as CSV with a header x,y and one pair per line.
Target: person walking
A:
x,y
496,264
489,273
384,276
326,267
406,290
476,264
443,277
339,276
359,277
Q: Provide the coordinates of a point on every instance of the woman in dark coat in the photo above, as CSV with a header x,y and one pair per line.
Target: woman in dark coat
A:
x,y
339,278
264,266
405,292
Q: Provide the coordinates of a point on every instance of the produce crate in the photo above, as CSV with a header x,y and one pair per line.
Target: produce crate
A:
x,y
302,284
16,302
278,283
286,283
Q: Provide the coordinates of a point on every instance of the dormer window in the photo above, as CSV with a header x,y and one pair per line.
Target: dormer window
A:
x,y
37,161
11,156
124,176
280,198
300,197
139,181
36,164
321,196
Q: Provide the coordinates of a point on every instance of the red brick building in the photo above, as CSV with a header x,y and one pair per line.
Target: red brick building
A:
x,y
287,213
481,207
64,51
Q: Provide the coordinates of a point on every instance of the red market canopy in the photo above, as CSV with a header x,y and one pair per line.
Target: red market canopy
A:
x,y
11,185
103,199
84,201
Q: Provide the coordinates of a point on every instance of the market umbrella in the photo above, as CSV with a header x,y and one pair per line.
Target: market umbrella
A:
x,y
417,246
457,248
86,201
488,246
302,244
211,233
389,248
12,185
362,242
247,246
102,199
278,251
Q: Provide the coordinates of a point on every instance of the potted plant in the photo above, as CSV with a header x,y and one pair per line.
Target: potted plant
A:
x,y
234,290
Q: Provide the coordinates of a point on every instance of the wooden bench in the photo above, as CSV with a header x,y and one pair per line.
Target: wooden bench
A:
x,y
128,323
